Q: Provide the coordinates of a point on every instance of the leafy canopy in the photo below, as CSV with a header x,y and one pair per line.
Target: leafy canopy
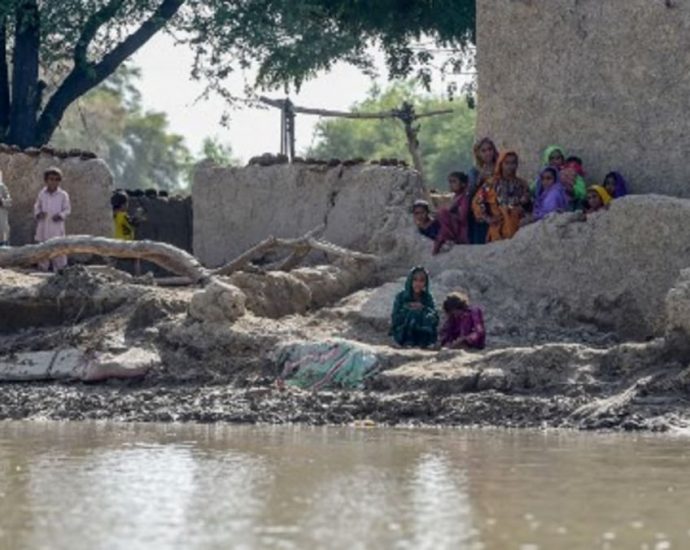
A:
x,y
82,42
445,140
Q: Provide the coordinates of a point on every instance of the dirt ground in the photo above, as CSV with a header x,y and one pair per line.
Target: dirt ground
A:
x,y
210,372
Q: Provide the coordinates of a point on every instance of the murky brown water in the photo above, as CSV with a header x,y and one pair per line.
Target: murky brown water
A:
x,y
88,486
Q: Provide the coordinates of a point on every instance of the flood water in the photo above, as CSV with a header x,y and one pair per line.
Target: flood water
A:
x,y
112,486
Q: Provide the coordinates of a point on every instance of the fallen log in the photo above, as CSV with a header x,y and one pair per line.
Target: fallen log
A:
x,y
171,258
164,255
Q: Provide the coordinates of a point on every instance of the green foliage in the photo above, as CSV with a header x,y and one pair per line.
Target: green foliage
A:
x,y
213,149
137,145
445,140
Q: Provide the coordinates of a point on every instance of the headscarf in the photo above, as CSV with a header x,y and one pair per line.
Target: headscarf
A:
x,y
477,155
552,199
621,185
426,298
549,150
577,167
602,192
498,172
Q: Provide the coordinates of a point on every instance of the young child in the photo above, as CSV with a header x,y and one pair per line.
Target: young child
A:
x,y
5,204
551,196
124,226
597,198
454,219
50,211
464,324
414,320
615,185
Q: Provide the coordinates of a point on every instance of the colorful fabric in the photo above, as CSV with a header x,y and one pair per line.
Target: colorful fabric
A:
x,y
5,205
621,185
123,227
414,326
603,194
502,203
327,365
553,199
549,151
464,328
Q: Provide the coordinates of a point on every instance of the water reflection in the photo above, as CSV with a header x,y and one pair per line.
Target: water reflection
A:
x,y
166,486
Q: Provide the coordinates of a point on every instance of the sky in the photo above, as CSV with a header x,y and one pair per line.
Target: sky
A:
x,y
166,86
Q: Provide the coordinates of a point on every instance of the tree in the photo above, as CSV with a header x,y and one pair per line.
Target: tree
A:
x,y
84,42
445,140
213,149
136,144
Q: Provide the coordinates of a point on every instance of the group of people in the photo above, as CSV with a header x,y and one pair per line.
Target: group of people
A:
x,y
52,208
415,321
491,202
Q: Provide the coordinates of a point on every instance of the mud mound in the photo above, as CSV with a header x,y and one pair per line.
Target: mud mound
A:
x,y
611,272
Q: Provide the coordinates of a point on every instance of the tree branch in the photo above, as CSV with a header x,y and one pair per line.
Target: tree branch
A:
x,y
91,27
301,246
166,256
84,77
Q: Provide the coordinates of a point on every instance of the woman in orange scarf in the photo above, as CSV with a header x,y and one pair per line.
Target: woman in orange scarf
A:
x,y
504,201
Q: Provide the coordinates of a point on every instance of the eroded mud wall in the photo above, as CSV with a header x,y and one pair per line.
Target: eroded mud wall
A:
x,y
88,182
608,80
234,208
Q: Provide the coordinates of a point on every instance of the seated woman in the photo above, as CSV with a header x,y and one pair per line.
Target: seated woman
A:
x,y
486,157
554,157
597,198
615,185
551,195
414,321
464,324
454,219
574,184
503,202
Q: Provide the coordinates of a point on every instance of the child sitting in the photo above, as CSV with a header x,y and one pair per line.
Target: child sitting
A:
x,y
427,226
615,185
464,324
597,198
414,320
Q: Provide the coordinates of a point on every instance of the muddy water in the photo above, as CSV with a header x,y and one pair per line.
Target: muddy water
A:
x,y
184,486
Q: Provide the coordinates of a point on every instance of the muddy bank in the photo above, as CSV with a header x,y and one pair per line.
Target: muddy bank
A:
x,y
227,372
588,326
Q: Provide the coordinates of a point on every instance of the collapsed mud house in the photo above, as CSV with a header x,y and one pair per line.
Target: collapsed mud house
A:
x,y
587,322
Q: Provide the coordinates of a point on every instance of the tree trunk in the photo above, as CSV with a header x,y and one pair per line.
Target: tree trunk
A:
x,y
26,89
4,81
166,256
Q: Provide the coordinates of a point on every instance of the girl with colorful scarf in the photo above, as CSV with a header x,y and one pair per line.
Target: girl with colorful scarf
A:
x,y
486,157
504,201
615,185
552,196
572,175
597,198
414,320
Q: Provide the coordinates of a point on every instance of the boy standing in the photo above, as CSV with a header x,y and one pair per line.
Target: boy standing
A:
x,y
5,203
51,210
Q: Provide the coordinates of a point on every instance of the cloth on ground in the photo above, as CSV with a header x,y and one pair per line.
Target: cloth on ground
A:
x,y
327,365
